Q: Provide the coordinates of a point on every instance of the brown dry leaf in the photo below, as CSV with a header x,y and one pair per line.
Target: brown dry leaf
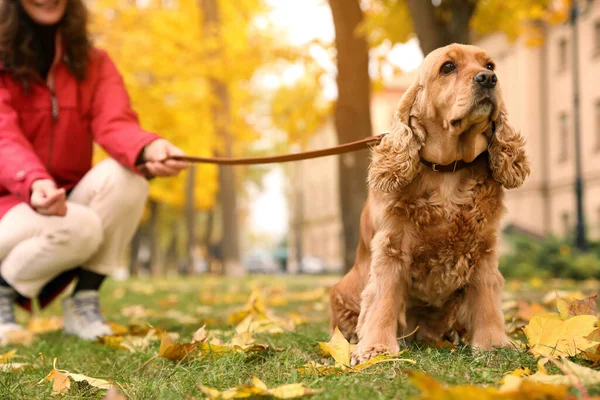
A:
x,y
572,307
61,380
550,299
176,351
42,325
549,335
258,388
526,311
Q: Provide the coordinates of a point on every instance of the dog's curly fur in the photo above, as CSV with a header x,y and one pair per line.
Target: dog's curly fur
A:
x,y
427,253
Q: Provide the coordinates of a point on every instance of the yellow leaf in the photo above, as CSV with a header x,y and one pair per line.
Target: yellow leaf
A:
x,y
42,325
549,335
118,329
7,356
573,307
337,347
258,388
61,380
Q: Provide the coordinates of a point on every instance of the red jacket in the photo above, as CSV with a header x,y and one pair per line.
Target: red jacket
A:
x,y
49,132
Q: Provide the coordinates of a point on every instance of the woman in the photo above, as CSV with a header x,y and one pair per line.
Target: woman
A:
x,y
61,219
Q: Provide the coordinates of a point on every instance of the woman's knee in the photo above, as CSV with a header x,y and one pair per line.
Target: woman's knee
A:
x,y
125,187
80,231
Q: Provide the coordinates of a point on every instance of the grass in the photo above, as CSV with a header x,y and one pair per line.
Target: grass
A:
x,y
201,300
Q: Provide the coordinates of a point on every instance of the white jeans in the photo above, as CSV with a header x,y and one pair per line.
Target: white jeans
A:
x,y
103,212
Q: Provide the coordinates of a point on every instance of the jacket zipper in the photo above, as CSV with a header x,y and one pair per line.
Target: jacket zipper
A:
x,y
55,112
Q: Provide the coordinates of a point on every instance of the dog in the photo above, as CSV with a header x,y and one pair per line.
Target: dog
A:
x,y
427,255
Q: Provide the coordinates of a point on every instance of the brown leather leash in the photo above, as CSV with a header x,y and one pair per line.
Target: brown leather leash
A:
x,y
305,155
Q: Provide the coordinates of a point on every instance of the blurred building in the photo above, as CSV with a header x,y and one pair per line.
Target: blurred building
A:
x,y
316,226
537,84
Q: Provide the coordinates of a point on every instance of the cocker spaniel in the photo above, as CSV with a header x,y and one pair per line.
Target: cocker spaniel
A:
x,y
427,253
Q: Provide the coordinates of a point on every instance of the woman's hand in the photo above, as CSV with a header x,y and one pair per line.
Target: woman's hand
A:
x,y
47,199
157,154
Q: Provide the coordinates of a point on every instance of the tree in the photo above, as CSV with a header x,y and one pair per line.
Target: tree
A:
x,y
352,116
437,23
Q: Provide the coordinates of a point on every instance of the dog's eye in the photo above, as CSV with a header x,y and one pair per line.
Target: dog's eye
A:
x,y
447,68
490,66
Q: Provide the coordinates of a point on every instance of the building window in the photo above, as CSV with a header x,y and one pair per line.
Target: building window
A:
x,y
563,131
562,54
597,37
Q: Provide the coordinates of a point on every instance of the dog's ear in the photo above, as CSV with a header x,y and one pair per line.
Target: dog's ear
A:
x,y
395,161
507,158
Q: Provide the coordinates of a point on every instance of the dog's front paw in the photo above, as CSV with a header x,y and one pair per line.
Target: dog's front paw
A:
x,y
362,354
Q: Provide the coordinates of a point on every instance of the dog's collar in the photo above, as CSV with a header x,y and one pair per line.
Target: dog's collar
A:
x,y
453,167
458,164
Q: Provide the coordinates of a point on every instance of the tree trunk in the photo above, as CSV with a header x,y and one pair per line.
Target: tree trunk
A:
x,y
433,30
152,265
208,233
352,117
227,192
190,220
134,249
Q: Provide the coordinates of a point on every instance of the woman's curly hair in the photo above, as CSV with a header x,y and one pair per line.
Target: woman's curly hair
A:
x,y
16,39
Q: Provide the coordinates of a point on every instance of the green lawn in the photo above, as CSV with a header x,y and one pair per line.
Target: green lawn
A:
x,y
183,305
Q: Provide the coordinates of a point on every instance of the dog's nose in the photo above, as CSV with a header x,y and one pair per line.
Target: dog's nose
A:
x,y
487,79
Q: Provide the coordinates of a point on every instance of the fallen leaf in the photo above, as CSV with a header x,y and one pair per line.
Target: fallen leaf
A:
x,y
7,356
61,380
200,335
176,351
526,311
431,389
258,388
573,307
549,335
255,306
550,299
118,329
543,383
340,349
42,325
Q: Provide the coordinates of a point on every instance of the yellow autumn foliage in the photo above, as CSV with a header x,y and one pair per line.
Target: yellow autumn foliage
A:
x,y
168,60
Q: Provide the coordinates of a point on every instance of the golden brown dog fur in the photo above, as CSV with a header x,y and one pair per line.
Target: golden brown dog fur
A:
x,y
427,254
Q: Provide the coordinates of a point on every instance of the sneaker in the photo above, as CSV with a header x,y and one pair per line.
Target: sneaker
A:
x,y
82,316
8,323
